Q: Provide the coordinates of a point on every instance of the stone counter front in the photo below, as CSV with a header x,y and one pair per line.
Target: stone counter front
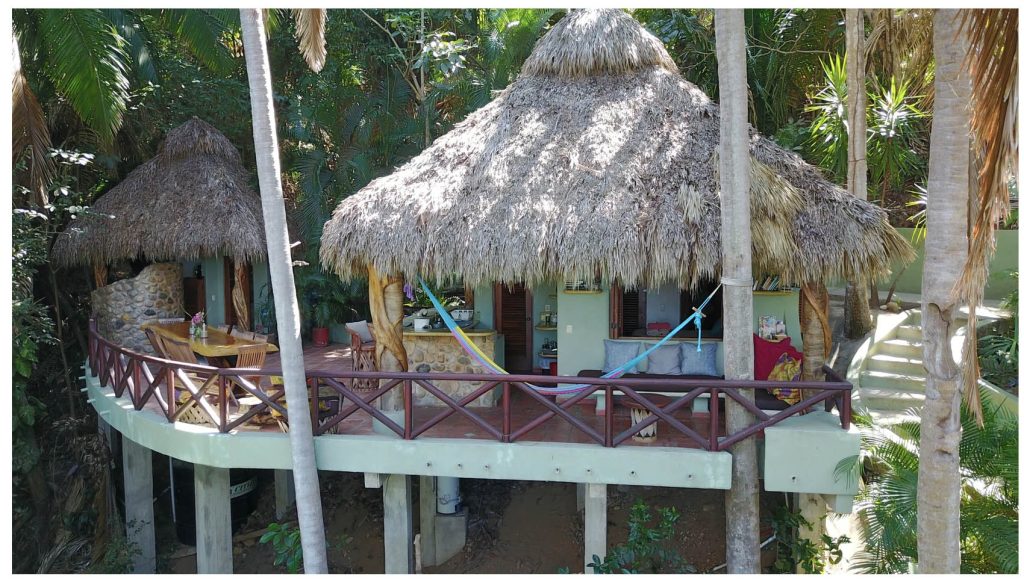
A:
x,y
438,351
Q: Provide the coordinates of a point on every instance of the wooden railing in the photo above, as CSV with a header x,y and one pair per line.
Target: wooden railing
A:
x,y
214,392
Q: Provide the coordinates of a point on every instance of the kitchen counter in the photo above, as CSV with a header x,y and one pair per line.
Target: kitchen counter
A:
x,y
443,332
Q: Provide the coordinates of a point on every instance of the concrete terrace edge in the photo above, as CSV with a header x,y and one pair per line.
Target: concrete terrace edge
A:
x,y
463,458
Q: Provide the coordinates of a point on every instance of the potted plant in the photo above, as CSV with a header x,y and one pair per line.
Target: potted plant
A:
x,y
321,321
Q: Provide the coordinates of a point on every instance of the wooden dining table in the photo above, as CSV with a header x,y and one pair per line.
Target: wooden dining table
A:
x,y
216,344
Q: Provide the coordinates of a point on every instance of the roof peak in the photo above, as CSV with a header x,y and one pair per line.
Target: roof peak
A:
x,y
596,41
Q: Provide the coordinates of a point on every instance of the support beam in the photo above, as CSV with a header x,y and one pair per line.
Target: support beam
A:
x,y
213,520
581,497
813,508
138,504
284,492
428,516
595,534
398,552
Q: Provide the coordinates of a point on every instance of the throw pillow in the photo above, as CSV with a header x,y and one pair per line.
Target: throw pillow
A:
x,y
787,369
664,360
694,363
766,355
361,329
618,353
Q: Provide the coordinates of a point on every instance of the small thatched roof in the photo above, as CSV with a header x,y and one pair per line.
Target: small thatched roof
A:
x,y
193,199
599,158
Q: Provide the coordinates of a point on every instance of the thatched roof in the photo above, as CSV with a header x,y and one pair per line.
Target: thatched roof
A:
x,y
599,157
191,200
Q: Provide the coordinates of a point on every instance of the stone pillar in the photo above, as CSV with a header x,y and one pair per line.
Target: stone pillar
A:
x,y
213,520
138,504
428,514
284,492
398,553
595,533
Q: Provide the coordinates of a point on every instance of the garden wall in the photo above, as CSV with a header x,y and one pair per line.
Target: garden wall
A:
x,y
121,307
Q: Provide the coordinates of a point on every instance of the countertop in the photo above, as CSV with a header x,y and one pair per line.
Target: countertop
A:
x,y
445,333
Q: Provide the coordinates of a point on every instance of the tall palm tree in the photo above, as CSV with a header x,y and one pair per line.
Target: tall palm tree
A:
x,y
949,169
857,312
268,165
743,554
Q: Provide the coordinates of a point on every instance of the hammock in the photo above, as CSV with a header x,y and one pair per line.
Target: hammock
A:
x,y
484,360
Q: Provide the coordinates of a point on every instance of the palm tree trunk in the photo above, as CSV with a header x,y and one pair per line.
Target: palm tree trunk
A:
x,y
268,164
386,311
857,311
743,553
945,253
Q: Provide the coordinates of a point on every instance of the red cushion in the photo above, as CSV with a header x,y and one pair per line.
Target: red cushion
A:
x,y
767,353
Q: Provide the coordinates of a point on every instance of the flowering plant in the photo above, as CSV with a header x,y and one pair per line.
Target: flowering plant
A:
x,y
198,321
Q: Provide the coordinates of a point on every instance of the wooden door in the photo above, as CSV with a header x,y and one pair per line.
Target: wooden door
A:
x,y
513,316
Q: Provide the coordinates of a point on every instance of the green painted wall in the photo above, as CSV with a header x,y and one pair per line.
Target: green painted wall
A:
x,y
781,305
213,271
483,304
582,329
1006,257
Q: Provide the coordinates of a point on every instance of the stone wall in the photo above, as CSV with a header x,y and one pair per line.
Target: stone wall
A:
x,y
442,353
121,307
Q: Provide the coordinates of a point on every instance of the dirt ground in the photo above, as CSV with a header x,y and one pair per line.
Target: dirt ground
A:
x,y
514,527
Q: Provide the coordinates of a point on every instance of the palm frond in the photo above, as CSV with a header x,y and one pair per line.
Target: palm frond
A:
x,y
310,32
86,62
202,32
29,131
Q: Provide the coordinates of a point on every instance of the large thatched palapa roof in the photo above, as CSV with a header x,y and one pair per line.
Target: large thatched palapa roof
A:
x,y
599,157
191,200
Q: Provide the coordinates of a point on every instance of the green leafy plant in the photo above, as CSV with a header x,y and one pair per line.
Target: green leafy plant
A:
x,y
650,546
795,551
287,544
888,464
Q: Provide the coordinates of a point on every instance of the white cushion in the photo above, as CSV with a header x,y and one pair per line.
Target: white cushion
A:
x,y
362,329
618,353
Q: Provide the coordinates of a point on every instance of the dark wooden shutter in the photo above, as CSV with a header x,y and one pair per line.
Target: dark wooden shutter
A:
x,y
514,320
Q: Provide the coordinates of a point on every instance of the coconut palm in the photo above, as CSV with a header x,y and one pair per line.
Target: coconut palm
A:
x,y
988,496
938,493
304,469
857,311
742,517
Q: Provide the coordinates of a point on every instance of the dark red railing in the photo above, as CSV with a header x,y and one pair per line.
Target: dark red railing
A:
x,y
213,390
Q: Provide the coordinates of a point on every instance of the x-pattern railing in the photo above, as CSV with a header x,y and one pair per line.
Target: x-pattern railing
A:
x,y
214,394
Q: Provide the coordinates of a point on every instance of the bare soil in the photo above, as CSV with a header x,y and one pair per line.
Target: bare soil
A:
x,y
514,527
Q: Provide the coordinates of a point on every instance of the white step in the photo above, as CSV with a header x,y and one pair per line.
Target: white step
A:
x,y
909,332
888,399
901,347
906,365
891,380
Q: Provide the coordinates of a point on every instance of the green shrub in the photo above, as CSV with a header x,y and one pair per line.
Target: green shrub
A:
x,y
650,547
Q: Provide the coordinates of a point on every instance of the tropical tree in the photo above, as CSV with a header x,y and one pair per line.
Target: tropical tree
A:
x,y
857,312
286,305
743,553
889,464
938,488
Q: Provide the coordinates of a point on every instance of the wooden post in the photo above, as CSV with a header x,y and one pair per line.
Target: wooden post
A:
x,y
386,297
240,296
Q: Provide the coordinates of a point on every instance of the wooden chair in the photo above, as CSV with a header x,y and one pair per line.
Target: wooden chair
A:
x,y
156,342
253,356
243,334
261,338
364,358
170,320
181,351
226,328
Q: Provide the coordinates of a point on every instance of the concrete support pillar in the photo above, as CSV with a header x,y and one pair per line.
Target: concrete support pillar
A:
x,y
213,520
581,497
138,504
284,492
595,533
398,553
428,514
814,508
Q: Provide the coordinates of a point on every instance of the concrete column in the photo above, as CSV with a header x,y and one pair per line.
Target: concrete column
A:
x,y
581,497
284,492
595,534
428,514
814,508
398,553
213,520
138,504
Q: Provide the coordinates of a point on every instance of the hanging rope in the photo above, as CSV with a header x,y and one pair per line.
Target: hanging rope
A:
x,y
484,360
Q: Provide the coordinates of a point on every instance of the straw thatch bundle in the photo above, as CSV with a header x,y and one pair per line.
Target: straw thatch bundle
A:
x,y
191,200
599,158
